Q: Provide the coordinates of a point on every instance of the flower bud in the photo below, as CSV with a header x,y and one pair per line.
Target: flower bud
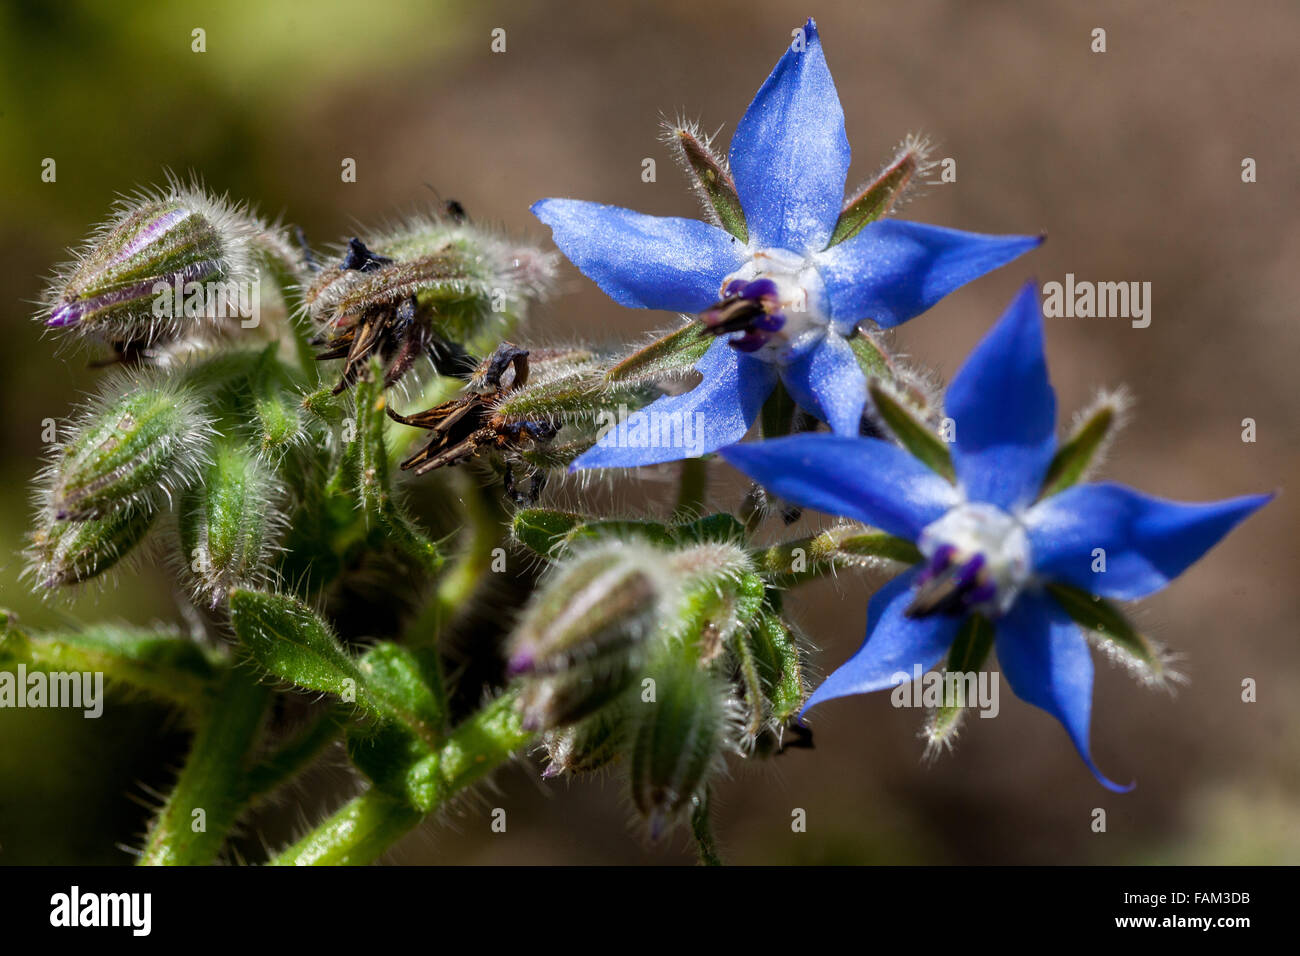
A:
x,y
583,635
588,745
135,446
70,552
229,523
131,281
685,726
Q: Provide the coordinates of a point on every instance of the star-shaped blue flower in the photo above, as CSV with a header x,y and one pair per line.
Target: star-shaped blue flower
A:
x,y
789,158
990,543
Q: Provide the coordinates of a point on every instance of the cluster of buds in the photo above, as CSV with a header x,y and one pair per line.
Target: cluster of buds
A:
x,y
659,646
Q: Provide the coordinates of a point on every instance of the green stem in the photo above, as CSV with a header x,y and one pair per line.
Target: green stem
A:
x,y
192,825
487,524
358,833
366,827
702,830
693,488
293,757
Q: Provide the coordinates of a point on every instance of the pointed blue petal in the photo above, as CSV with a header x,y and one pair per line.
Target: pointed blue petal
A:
x,y
1146,542
828,382
893,270
790,154
1046,660
716,412
895,645
643,262
1005,410
861,478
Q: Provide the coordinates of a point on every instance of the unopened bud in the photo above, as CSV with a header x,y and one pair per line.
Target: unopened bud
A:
x,y
582,637
681,739
70,552
588,745
229,523
140,446
131,280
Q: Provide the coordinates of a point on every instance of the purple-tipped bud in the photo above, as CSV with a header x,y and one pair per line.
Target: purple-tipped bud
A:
x,y
166,261
582,636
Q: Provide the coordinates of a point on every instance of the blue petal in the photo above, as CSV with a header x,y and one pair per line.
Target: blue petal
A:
x,y
1005,410
893,270
1046,660
716,412
790,154
828,382
1147,542
861,478
643,262
894,647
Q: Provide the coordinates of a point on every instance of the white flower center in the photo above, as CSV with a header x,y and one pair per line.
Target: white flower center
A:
x,y
799,294
984,554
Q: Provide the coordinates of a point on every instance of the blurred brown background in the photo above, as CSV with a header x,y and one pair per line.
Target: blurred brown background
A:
x,y
1131,162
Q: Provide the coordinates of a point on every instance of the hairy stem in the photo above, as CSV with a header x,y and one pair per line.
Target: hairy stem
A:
x,y
702,830
363,829
192,825
693,488
358,833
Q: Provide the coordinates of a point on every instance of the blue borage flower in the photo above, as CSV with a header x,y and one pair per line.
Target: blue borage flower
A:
x,y
789,158
990,543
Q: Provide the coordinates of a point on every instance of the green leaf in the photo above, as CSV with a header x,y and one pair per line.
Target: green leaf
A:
x,y
543,530
408,686
674,354
1105,619
291,642
162,663
911,432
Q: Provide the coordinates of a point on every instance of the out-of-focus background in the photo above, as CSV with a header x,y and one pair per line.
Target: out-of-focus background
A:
x,y
1130,160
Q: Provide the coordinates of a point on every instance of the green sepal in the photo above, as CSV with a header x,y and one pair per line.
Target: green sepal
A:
x,y
805,559
969,650
772,645
876,199
711,178
1107,621
673,354
138,447
911,432
1075,456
